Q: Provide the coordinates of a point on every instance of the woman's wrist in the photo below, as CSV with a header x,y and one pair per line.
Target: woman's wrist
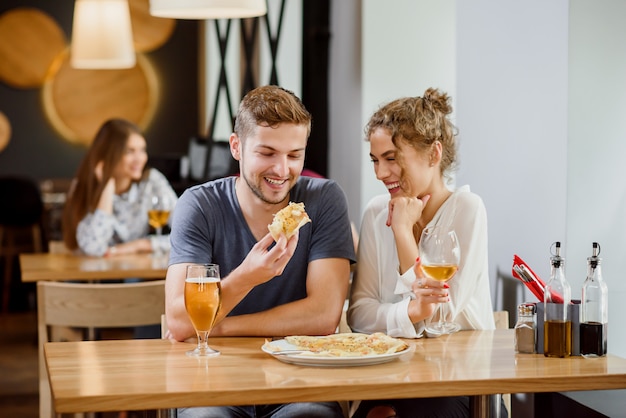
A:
x,y
415,312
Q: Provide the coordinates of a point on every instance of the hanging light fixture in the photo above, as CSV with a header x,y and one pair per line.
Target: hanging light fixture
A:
x,y
207,9
102,37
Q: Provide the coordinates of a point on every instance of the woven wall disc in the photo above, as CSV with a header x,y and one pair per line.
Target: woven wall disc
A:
x,y
149,32
77,102
5,131
30,40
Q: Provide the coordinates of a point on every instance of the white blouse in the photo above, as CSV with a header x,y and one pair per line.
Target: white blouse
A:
x,y
380,295
98,230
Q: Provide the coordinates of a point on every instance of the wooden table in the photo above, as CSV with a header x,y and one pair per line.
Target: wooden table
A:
x,y
156,374
50,266
70,267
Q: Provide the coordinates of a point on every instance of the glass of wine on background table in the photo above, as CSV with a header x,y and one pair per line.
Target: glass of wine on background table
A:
x,y
202,302
440,255
158,216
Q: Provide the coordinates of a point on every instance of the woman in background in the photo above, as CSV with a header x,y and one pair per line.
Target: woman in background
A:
x,y
106,211
413,148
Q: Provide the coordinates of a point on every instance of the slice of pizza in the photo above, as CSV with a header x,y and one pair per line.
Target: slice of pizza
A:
x,y
348,344
288,220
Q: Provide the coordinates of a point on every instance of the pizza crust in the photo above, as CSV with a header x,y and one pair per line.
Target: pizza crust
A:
x,y
288,220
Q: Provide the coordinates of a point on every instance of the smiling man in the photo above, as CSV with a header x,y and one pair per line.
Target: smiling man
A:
x,y
269,288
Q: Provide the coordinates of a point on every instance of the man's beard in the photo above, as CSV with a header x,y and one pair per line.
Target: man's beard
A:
x,y
256,190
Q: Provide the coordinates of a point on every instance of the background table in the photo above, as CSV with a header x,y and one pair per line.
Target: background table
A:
x,y
50,266
70,267
156,374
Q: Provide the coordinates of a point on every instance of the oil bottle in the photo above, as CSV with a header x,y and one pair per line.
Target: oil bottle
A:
x,y
557,339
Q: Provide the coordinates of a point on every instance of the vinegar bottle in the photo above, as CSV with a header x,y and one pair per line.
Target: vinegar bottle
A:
x,y
594,310
557,337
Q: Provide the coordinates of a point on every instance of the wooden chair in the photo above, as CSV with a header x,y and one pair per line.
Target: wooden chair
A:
x,y
87,305
21,214
501,319
509,292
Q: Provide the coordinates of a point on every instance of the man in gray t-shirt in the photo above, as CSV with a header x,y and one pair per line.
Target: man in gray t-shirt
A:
x,y
287,287
222,236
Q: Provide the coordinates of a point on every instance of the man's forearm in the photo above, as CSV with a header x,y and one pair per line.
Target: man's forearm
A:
x,y
293,318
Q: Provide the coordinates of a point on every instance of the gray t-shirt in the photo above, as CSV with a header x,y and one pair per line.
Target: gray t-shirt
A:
x,y
209,227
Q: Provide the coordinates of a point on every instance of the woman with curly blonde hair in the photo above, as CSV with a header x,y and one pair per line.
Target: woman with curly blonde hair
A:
x,y
413,149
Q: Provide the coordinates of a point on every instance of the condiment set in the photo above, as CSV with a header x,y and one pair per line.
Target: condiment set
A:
x,y
559,326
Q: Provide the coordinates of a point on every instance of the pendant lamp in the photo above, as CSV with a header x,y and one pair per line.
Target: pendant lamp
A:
x,y
207,9
102,37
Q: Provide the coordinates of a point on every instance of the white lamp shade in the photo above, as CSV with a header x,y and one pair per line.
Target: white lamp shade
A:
x,y
207,9
102,37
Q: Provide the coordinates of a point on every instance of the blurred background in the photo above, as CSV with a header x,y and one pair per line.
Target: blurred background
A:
x,y
538,89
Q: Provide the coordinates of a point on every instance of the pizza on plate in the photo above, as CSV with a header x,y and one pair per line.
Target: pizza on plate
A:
x,y
347,344
288,220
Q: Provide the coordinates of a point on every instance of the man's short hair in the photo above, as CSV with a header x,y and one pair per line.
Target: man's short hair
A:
x,y
270,106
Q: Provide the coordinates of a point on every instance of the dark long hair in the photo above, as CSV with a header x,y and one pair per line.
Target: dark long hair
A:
x,y
108,146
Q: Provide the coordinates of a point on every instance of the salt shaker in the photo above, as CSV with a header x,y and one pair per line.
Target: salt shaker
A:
x,y
525,329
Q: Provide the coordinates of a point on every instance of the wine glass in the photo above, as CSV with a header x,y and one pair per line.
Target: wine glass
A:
x,y
202,302
440,255
158,215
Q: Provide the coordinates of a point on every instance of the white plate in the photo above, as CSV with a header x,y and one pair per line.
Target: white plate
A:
x,y
313,360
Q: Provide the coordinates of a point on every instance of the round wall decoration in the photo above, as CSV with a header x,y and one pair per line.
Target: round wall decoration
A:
x,y
30,40
149,32
5,131
77,102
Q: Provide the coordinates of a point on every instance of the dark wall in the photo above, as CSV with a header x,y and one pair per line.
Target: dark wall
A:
x,y
315,73
37,150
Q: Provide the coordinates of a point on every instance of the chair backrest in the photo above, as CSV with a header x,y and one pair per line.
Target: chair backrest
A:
x,y
22,204
164,328
509,292
501,318
57,247
110,305
88,305
216,152
21,213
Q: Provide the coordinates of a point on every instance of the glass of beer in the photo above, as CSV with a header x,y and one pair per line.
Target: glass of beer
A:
x,y
440,255
202,302
158,215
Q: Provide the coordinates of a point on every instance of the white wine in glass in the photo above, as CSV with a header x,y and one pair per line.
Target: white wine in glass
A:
x,y
158,216
202,302
440,255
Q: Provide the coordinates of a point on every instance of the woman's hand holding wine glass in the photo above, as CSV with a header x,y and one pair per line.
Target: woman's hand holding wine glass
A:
x,y
440,256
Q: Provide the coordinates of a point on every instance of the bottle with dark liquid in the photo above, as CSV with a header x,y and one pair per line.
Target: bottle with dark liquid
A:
x,y
594,309
557,337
